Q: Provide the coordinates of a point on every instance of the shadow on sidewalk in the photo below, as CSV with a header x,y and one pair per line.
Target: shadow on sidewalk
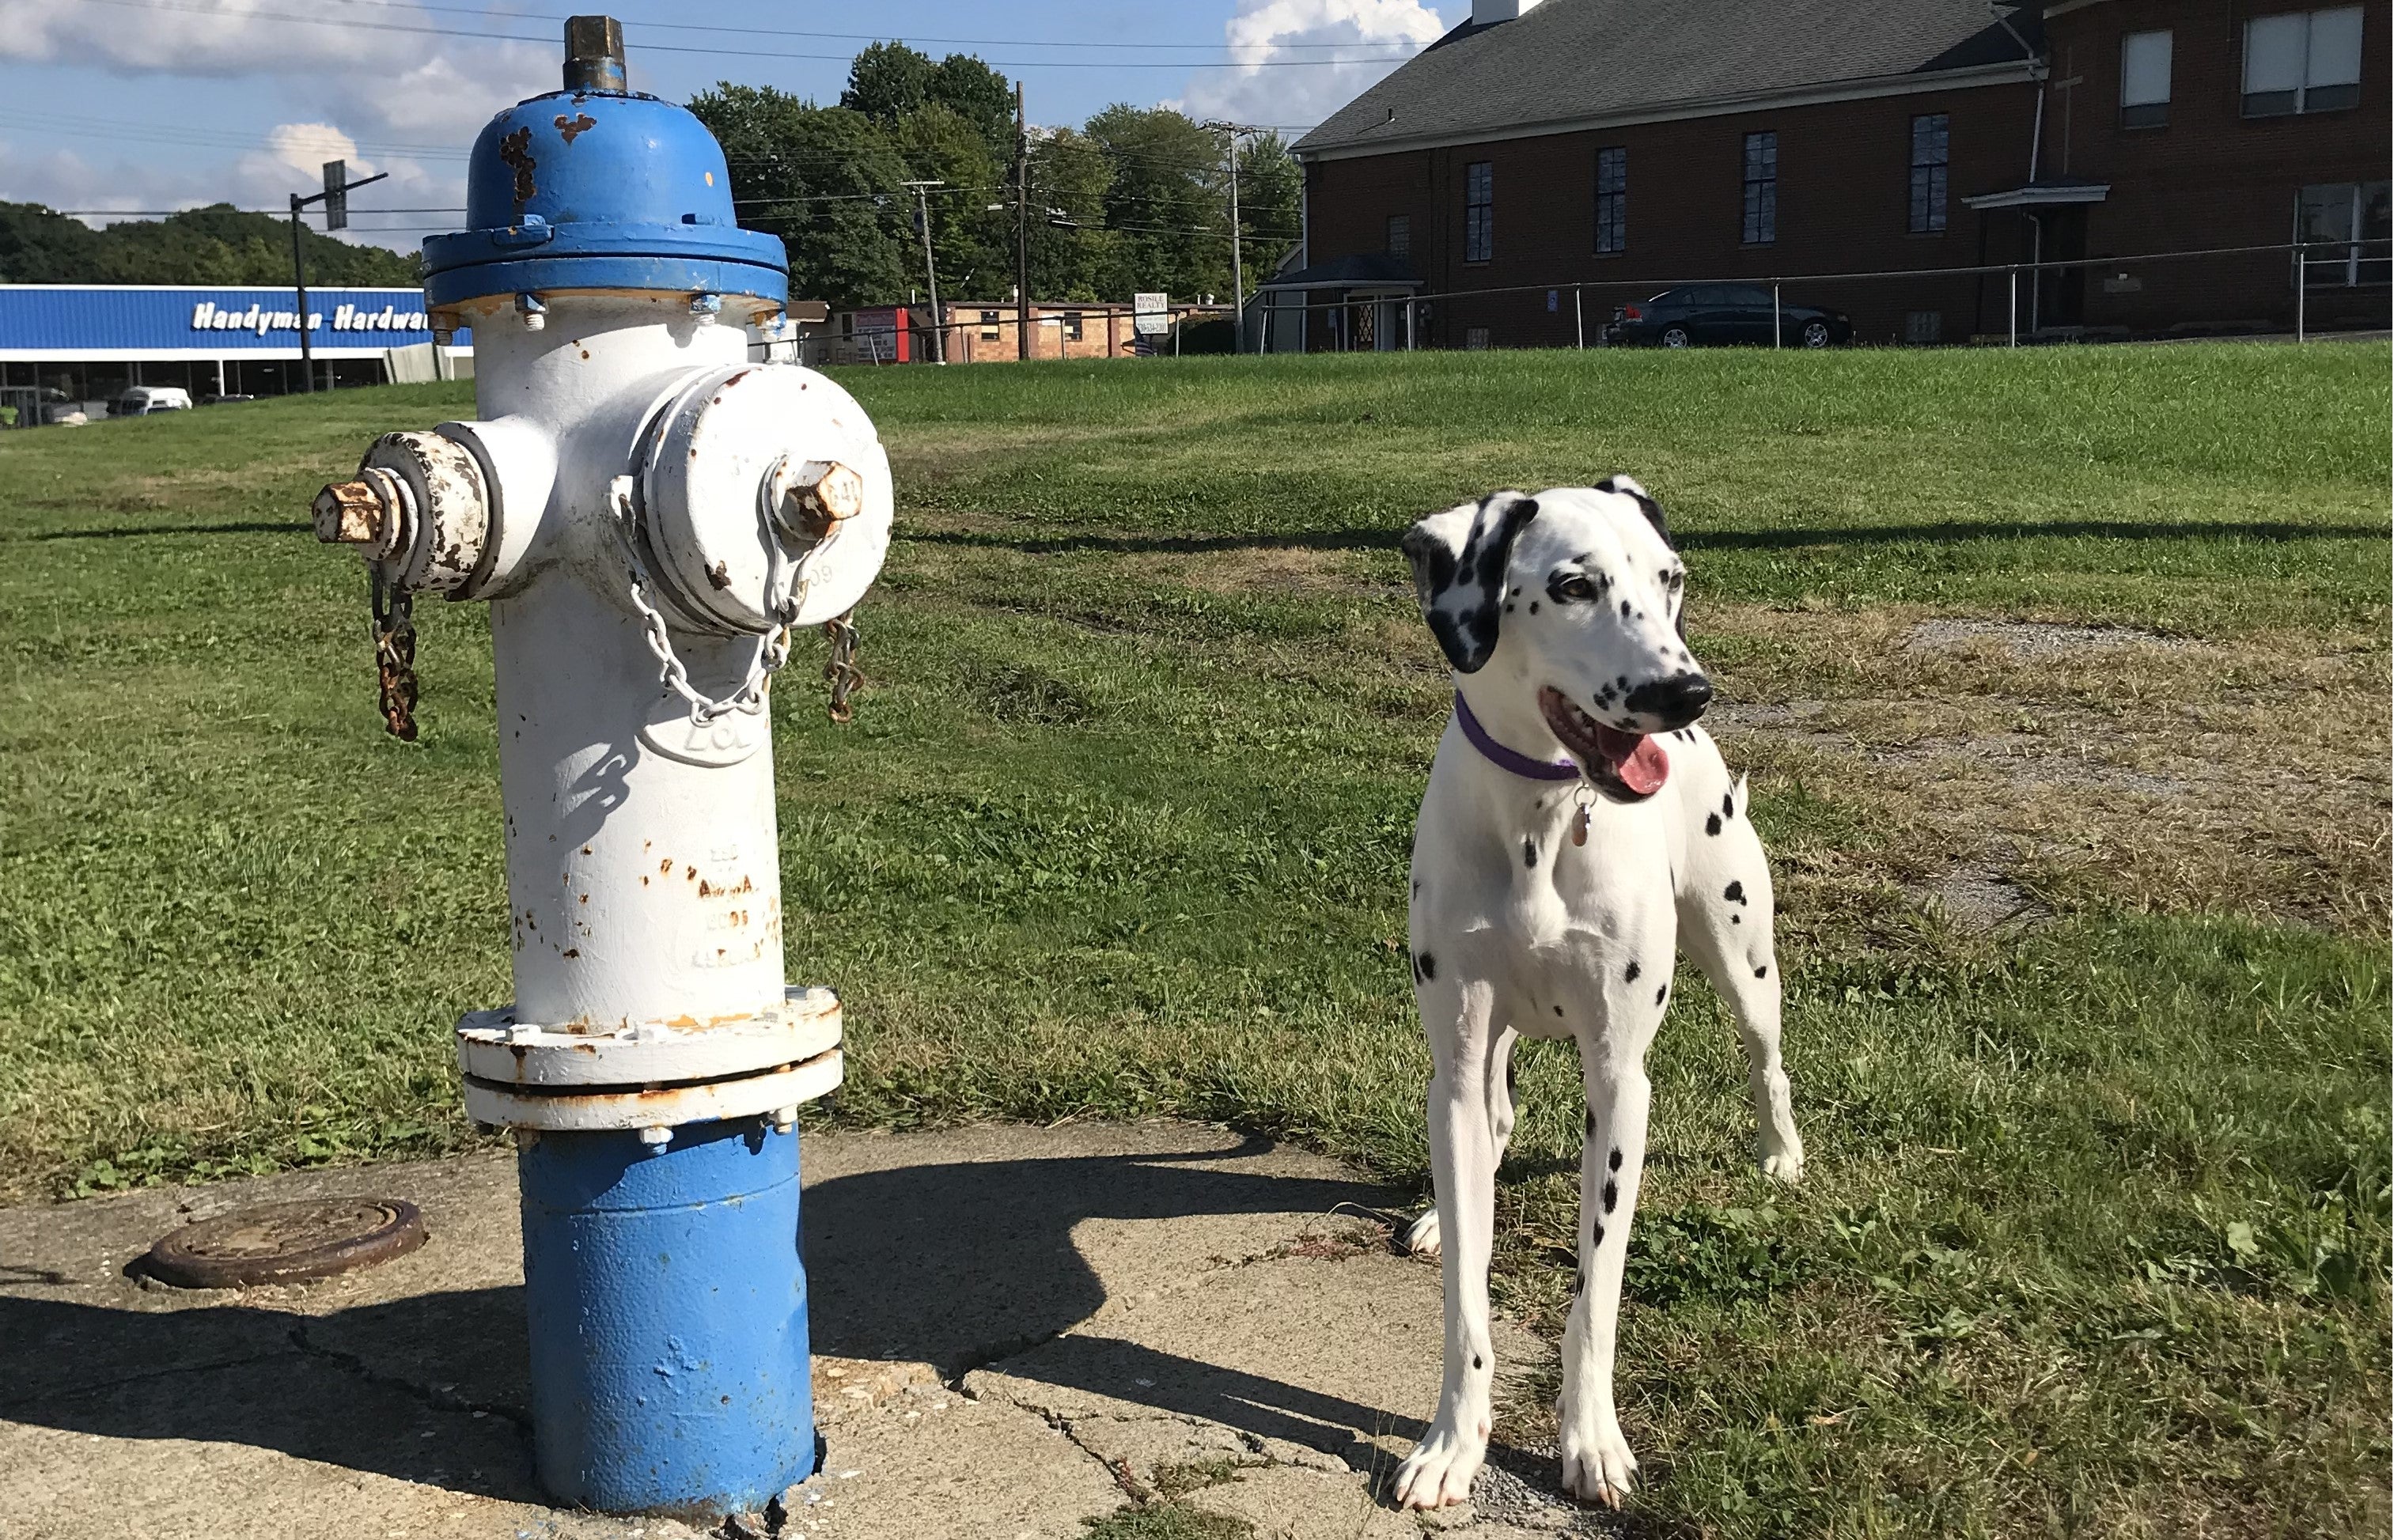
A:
x,y
958,1265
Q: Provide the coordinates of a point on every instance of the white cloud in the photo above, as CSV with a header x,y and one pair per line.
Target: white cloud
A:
x,y
406,102
1264,32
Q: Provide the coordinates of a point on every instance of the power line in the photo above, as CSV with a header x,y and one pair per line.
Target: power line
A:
x,y
856,38
744,53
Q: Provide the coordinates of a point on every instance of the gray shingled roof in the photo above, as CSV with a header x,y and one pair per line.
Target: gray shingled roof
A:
x,y
1568,60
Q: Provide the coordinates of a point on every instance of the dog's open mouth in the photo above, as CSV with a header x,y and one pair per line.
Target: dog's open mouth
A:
x,y
1627,766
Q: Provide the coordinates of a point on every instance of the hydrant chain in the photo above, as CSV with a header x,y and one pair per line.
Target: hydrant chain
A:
x,y
773,649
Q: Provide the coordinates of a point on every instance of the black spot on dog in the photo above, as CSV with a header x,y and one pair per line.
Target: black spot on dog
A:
x,y
1712,824
1428,966
1474,1360
1590,1115
1625,609
1612,1162
1762,971
1660,993
1529,852
1734,892
1559,1010
1508,609
1632,975
1533,606
1416,887
1611,1195
1598,1240
1729,808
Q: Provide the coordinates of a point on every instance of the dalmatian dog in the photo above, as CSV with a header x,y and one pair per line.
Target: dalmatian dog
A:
x,y
1578,826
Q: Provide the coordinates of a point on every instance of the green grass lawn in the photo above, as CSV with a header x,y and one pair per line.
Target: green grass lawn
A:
x,y
2095,1236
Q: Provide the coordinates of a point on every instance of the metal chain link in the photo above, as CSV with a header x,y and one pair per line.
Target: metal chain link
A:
x,y
773,649
840,670
394,634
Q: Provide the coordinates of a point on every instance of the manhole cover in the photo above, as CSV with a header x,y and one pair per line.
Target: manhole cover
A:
x,y
285,1243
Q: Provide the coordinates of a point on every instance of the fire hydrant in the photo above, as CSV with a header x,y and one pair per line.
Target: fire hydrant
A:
x,y
651,516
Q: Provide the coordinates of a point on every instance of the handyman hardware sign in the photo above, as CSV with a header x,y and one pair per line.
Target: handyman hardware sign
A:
x,y
92,321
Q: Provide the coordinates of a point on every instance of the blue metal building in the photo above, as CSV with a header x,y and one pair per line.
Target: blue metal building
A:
x,y
85,342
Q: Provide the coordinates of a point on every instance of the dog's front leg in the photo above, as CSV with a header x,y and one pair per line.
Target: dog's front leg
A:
x,y
1597,1462
1463,1169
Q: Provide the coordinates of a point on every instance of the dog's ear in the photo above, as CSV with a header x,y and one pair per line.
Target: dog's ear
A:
x,y
1459,558
1627,487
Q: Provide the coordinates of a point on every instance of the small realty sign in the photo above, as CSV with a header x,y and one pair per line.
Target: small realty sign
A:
x,y
1150,315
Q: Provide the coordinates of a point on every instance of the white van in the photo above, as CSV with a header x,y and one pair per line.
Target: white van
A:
x,y
139,400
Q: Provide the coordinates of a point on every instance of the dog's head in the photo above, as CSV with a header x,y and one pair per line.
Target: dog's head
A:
x,y
1572,596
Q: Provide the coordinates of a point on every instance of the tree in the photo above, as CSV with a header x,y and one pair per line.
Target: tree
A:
x,y
1168,201
216,244
826,180
1269,186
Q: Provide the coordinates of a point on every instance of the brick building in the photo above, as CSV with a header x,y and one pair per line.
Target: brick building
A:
x,y
982,332
1622,146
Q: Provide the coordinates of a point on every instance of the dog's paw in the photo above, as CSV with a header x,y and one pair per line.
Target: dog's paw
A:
x,y
1597,1467
1439,1472
1785,1163
1421,1236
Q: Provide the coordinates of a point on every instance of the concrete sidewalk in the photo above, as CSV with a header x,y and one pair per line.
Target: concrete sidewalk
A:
x,y
1017,1330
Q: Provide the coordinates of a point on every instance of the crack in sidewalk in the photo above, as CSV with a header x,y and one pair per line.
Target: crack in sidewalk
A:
x,y
430,1395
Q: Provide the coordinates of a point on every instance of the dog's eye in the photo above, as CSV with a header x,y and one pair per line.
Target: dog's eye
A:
x,y
1677,579
1574,586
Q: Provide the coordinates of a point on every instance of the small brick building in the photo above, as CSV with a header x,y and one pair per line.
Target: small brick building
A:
x,y
1581,154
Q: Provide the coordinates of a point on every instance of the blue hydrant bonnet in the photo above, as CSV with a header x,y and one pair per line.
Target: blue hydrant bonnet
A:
x,y
594,188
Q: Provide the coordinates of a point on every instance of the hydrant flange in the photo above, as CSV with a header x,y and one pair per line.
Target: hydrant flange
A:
x,y
495,1046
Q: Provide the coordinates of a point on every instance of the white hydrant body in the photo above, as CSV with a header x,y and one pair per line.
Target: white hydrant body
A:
x,y
651,517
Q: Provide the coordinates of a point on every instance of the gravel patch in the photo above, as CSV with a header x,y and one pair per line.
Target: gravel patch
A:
x,y
2031,638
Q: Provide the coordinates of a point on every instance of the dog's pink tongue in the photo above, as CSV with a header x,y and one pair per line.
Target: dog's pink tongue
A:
x,y
1646,768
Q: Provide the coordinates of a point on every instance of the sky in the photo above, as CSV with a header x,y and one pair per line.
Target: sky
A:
x,y
155,105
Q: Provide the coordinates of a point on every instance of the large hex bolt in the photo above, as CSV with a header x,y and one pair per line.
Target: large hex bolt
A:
x,y
369,513
814,495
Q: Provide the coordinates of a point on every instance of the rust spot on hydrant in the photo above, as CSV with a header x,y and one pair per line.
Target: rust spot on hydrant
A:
x,y
704,889
515,152
572,128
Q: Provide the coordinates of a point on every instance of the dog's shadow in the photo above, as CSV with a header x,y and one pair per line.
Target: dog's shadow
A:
x,y
960,1265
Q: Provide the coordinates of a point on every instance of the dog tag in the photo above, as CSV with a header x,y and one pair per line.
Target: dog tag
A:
x,y
1579,825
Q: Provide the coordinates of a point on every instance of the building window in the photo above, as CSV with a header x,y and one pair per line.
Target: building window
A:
x,y
1612,201
1401,236
1929,168
1475,339
1478,212
1071,325
1922,328
1761,189
2144,80
2305,61
989,330
2343,228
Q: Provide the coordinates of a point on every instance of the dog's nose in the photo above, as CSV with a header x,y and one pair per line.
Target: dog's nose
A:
x,y
1674,702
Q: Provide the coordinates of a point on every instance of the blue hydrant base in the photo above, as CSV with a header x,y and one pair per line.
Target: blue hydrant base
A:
x,y
668,1318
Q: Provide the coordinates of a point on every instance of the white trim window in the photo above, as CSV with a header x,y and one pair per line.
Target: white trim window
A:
x,y
1478,211
2345,229
2302,61
1612,201
1932,162
2145,79
1761,227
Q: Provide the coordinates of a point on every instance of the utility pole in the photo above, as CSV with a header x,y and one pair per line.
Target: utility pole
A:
x,y
931,269
335,199
1237,270
1021,230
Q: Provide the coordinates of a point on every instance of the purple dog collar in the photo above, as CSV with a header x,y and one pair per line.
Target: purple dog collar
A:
x,y
1508,760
